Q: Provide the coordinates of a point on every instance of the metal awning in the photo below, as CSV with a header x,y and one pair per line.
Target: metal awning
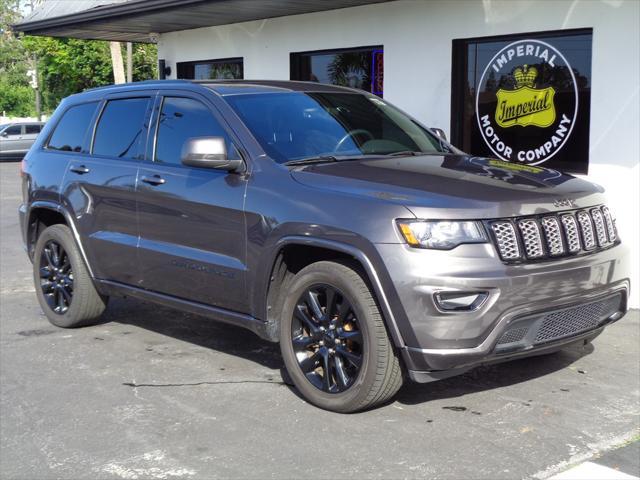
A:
x,y
135,20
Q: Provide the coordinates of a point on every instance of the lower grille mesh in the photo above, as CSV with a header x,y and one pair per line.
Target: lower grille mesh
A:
x,y
547,327
575,320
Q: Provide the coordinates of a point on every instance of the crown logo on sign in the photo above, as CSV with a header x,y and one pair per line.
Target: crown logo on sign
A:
x,y
525,76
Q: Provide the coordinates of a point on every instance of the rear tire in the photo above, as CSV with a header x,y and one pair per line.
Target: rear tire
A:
x,y
331,324
63,285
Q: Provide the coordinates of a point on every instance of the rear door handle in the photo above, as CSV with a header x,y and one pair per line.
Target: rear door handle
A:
x,y
153,180
79,169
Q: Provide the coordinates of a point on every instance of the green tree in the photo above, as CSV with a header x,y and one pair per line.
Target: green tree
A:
x,y
16,96
65,65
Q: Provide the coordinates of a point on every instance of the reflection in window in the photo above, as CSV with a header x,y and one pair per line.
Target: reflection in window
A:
x,y
226,69
181,119
361,68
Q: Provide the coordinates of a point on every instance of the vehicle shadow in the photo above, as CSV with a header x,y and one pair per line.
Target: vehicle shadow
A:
x,y
489,377
194,329
244,344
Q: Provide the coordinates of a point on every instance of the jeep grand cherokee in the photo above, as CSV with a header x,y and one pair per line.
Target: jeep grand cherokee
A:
x,y
319,217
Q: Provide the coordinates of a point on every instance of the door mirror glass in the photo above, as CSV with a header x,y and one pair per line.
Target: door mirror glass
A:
x,y
208,152
440,133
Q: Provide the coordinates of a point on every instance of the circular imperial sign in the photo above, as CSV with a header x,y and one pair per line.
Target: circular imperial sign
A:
x,y
527,102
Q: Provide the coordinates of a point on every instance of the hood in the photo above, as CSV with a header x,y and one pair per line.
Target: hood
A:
x,y
455,186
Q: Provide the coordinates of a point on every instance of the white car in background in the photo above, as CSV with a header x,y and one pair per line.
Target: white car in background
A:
x,y
16,139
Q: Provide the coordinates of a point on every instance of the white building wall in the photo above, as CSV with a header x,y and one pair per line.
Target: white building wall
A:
x,y
417,38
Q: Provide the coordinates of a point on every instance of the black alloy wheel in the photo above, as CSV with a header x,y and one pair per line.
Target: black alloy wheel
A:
x,y
326,338
56,277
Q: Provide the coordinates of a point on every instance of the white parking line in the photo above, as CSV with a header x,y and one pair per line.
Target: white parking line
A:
x,y
592,471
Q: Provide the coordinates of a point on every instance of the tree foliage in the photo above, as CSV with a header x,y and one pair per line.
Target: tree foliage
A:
x,y
65,66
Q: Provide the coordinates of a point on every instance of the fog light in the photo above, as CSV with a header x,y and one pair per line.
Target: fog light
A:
x,y
460,301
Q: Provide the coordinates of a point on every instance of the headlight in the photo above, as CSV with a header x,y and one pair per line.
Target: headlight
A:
x,y
441,235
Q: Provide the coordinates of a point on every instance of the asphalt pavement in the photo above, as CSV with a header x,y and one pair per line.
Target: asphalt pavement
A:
x,y
155,393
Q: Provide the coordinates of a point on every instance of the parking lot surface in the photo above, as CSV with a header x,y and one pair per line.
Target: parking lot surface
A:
x,y
155,393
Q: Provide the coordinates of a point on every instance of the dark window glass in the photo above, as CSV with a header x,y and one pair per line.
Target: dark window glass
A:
x,y
524,98
180,119
121,129
226,69
14,130
71,131
31,129
361,68
296,125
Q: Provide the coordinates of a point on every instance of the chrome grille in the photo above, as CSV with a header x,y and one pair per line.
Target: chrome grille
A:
x,y
586,228
531,238
507,240
554,235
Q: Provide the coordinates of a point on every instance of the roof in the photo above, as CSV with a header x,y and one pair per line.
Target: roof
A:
x,y
138,20
228,87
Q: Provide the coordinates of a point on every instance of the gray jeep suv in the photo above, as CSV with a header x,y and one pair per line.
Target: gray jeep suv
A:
x,y
319,217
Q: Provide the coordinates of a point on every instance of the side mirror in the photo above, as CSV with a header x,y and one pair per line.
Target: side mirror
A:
x,y
4,134
440,133
209,152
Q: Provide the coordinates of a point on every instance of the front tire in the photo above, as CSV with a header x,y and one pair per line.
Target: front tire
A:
x,y
63,285
334,342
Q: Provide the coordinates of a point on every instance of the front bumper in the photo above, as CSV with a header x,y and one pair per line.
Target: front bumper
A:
x,y
438,344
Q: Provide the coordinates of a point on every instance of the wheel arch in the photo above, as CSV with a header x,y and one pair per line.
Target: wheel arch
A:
x,y
43,214
316,249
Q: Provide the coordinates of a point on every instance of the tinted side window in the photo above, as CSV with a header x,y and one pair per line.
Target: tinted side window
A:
x,y
180,119
31,129
14,130
121,129
70,132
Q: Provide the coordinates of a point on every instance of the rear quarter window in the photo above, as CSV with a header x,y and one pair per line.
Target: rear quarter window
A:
x,y
71,131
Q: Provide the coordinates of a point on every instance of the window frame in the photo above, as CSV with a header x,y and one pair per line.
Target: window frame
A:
x,y
152,138
295,67
85,151
150,95
212,61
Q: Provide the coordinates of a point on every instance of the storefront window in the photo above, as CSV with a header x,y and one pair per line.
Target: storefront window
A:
x,y
524,98
361,68
226,69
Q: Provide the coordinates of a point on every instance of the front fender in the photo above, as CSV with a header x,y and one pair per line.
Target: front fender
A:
x,y
365,253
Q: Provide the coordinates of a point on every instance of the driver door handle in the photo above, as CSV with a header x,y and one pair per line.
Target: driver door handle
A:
x,y
79,169
153,180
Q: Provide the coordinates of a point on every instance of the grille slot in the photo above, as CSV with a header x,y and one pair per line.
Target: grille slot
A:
x,y
507,240
571,231
554,235
586,228
611,228
576,320
598,222
531,238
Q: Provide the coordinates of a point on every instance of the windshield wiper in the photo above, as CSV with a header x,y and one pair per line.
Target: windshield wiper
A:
x,y
310,160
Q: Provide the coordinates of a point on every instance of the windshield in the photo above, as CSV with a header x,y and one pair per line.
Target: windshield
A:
x,y
3,126
297,125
